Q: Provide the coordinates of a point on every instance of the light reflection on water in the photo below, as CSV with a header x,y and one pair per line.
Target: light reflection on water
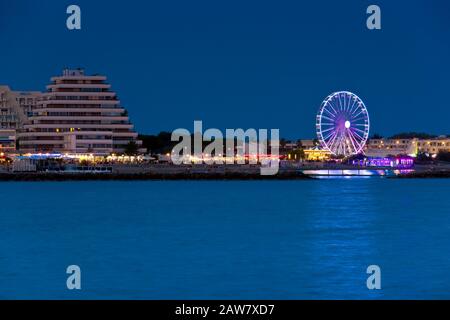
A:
x,y
226,239
342,240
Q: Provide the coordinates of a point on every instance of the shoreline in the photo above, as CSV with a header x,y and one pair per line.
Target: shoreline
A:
x,y
149,176
146,176
425,174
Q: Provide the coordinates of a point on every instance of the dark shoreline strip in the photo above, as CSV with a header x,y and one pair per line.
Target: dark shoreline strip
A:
x,y
41,176
426,174
144,176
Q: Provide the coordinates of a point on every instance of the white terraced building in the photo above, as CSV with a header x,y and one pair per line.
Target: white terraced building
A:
x,y
78,114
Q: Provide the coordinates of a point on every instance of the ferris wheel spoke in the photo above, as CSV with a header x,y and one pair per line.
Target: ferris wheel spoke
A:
x,y
353,141
340,103
334,146
343,102
359,119
332,141
349,101
351,108
356,145
329,136
356,133
359,130
358,105
350,148
335,104
340,144
327,118
329,143
347,143
356,115
329,112
335,112
359,144
360,116
357,136
326,130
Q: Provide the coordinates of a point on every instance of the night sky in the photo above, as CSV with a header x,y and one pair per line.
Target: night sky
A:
x,y
241,64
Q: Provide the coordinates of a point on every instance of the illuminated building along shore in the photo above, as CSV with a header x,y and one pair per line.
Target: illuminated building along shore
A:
x,y
15,106
411,146
78,114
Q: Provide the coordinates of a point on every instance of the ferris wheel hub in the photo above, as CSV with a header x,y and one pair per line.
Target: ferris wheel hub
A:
x,y
347,124
342,124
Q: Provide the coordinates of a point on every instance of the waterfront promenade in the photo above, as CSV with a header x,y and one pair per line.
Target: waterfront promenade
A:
x,y
219,172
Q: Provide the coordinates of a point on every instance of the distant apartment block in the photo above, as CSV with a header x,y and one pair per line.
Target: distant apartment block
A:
x,y
7,141
27,101
390,147
78,114
15,106
435,145
385,147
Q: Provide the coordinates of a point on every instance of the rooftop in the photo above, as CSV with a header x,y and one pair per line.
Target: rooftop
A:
x,y
73,72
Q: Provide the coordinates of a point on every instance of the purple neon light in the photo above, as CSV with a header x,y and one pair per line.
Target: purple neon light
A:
x,y
393,162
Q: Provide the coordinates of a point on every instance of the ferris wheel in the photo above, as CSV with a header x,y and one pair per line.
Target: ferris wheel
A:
x,y
342,124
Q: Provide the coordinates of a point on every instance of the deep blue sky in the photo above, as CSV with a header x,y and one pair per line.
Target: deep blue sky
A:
x,y
259,64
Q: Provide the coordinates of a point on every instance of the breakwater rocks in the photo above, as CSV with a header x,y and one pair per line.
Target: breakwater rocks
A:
x,y
146,176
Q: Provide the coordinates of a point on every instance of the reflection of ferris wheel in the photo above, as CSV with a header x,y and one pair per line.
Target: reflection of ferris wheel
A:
x,y
342,124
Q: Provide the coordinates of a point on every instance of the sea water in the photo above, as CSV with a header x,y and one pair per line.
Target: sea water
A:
x,y
304,239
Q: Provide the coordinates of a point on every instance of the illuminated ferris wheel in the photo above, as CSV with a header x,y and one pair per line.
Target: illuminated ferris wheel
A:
x,y
342,124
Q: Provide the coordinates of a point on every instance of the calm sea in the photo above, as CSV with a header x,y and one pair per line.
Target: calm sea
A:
x,y
226,239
